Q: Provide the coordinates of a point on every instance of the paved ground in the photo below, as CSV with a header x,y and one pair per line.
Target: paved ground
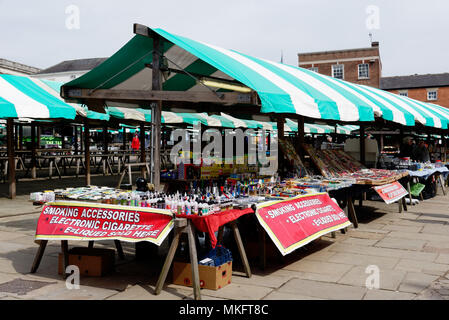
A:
x,y
411,251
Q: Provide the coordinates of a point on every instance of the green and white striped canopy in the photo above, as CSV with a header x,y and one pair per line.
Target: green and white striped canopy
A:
x,y
24,97
281,88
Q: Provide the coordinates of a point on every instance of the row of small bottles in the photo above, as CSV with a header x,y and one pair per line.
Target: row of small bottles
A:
x,y
203,203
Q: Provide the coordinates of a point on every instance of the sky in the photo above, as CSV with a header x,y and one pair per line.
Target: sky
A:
x,y
412,33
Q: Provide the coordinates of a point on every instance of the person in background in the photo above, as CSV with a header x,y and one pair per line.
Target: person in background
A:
x,y
422,152
407,148
135,144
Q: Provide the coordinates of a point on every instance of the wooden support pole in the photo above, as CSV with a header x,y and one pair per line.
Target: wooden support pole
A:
x,y
156,129
16,136
20,137
142,148
87,151
81,139
33,150
443,149
124,139
300,134
280,125
105,139
11,159
62,138
362,145
39,133
76,139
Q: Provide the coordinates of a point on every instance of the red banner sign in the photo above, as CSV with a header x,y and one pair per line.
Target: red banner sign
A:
x,y
391,192
71,220
295,222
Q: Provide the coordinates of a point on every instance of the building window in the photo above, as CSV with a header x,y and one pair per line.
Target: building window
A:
x,y
403,93
364,71
338,71
432,94
314,69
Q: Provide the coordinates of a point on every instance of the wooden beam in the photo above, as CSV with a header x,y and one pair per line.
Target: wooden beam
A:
x,y
11,160
155,95
143,30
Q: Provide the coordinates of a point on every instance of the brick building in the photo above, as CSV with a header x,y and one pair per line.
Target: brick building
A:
x,y
432,88
361,66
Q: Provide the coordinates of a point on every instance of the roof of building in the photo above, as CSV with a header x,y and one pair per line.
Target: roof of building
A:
x,y
19,67
74,65
374,46
415,81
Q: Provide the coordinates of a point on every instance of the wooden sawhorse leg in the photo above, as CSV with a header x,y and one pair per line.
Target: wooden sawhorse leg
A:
x,y
351,212
181,225
65,257
120,253
440,179
121,177
410,194
238,240
262,248
39,255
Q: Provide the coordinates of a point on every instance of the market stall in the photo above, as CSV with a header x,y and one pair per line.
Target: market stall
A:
x,y
195,76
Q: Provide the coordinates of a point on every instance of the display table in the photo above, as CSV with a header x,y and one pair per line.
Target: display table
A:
x,y
211,223
339,165
88,221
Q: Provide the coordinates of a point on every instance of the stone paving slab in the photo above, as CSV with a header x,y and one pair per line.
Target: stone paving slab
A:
x,y
384,252
420,236
360,241
416,282
388,279
392,227
275,295
139,292
271,281
321,267
378,294
399,243
443,258
422,266
364,260
236,291
322,290
436,229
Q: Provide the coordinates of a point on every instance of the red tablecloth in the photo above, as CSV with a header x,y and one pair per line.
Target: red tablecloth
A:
x,y
212,222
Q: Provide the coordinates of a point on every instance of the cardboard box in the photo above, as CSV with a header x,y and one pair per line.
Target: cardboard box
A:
x,y
213,278
94,262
